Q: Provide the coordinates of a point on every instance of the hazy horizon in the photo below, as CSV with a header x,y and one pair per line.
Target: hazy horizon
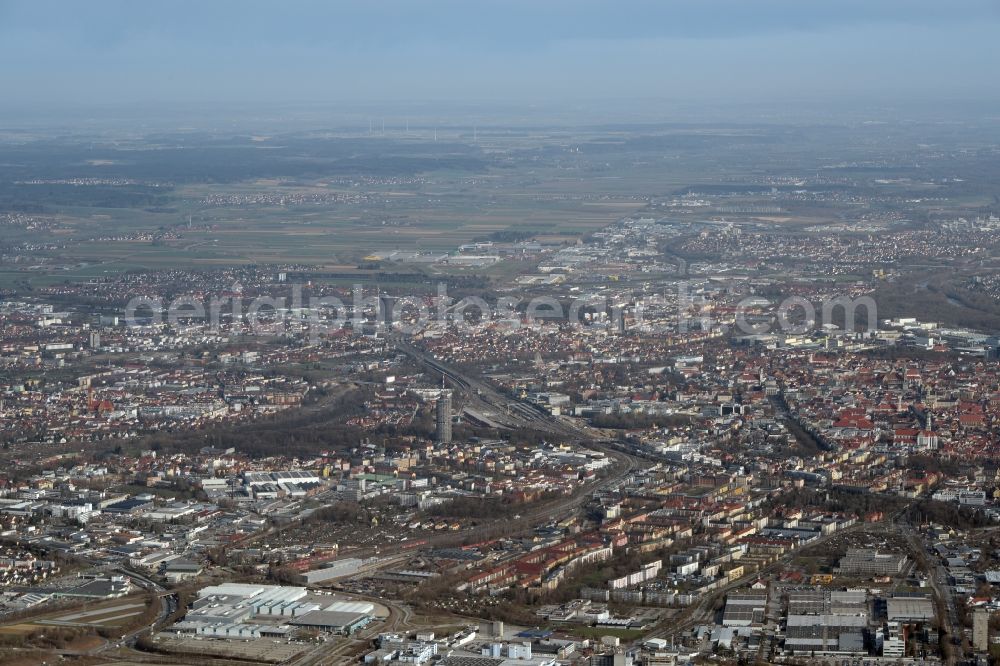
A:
x,y
66,59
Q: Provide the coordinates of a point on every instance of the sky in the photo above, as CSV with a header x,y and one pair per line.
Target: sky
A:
x,y
132,52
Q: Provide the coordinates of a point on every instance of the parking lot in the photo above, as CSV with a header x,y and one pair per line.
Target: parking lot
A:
x,y
266,650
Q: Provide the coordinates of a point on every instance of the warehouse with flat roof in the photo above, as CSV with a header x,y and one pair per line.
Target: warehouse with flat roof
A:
x,y
823,633
744,610
909,608
333,621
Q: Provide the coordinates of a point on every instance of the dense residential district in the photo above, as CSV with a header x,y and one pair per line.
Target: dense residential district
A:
x,y
667,478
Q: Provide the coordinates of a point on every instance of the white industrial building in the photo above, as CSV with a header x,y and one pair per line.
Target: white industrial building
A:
x,y
226,611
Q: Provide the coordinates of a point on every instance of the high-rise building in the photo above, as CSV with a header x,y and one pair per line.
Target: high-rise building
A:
x,y
386,305
444,417
981,630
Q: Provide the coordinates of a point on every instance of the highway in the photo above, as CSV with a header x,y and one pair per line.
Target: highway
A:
x,y
168,604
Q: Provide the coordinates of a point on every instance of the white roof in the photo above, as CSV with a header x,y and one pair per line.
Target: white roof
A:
x,y
233,590
259,592
361,607
828,620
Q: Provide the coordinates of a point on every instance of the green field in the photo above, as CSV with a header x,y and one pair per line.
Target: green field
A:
x,y
101,242
186,201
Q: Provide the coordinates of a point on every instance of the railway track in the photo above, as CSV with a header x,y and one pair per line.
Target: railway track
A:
x,y
512,411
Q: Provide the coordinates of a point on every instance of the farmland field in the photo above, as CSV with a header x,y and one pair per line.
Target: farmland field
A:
x,y
85,208
330,217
